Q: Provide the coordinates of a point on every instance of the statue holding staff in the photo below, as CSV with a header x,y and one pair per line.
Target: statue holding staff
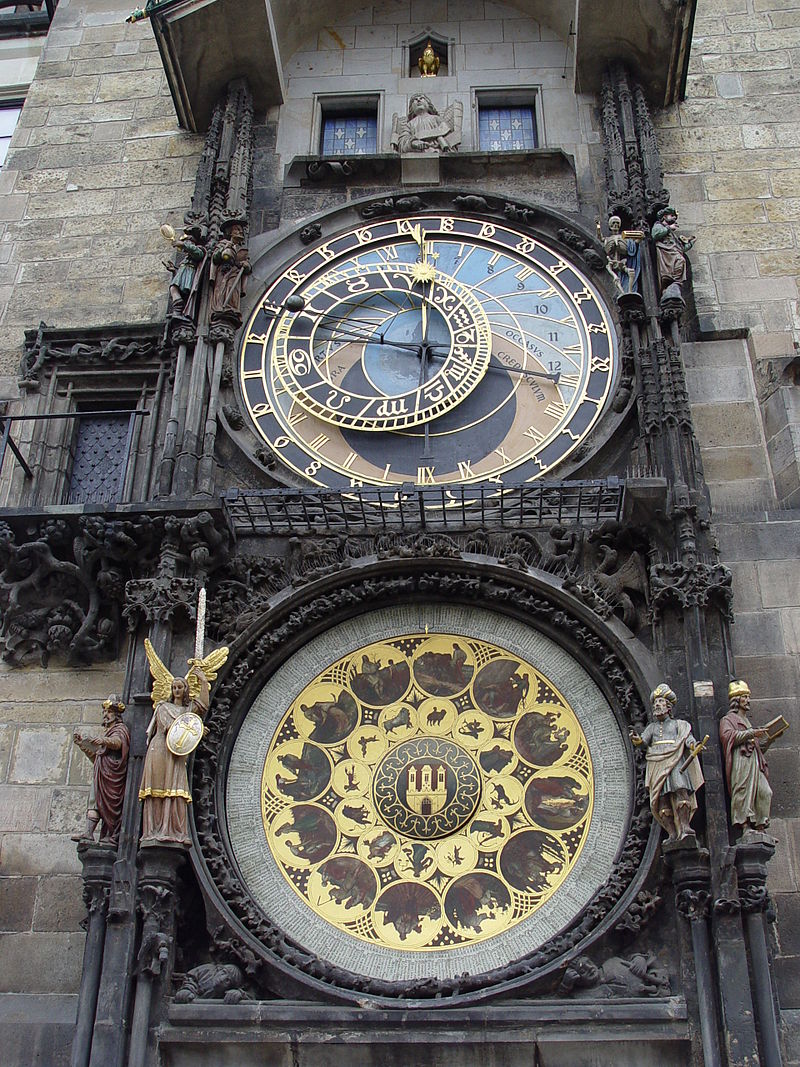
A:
x,y
673,773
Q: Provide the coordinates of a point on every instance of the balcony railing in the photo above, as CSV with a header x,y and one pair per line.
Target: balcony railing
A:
x,y
447,507
23,20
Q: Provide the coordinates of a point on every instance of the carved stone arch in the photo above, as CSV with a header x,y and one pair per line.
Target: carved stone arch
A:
x,y
617,662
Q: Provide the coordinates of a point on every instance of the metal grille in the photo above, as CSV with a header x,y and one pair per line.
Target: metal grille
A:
x,y
507,129
100,458
349,135
268,511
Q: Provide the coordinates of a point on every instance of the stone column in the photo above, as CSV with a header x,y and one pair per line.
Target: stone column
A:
x,y
159,866
750,857
689,864
98,863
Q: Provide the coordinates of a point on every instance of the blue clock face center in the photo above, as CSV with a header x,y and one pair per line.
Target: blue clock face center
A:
x,y
397,370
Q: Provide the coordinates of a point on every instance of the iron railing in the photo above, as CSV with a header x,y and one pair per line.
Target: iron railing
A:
x,y
447,507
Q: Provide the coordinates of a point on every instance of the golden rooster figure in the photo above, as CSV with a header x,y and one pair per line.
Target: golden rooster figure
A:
x,y
428,62
179,706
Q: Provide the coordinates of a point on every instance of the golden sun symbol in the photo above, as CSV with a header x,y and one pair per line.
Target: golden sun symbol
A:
x,y
423,272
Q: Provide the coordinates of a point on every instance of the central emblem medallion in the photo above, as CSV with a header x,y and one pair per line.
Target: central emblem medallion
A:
x,y
426,788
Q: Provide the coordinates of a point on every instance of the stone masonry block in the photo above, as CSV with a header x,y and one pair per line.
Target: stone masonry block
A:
x,y
784,768
787,906
67,810
726,424
790,621
735,464
699,355
708,385
782,873
59,903
778,541
35,854
779,580
36,685
23,807
16,903
746,594
758,633
777,676
40,755
41,963
737,186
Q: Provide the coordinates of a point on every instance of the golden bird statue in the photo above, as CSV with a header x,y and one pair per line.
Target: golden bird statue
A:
x,y
428,62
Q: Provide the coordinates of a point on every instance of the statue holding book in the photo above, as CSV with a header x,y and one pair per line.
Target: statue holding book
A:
x,y
743,746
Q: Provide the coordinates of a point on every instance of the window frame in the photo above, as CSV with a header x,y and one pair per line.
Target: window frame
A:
x,y
327,105
14,100
504,96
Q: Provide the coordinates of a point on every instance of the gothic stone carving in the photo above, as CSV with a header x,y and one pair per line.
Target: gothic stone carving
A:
x,y
639,975
425,129
61,590
87,347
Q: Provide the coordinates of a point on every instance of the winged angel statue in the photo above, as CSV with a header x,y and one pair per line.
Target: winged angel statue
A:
x,y
425,129
179,705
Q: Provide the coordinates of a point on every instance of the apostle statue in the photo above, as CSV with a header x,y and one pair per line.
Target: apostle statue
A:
x,y
108,752
743,747
671,248
673,773
179,704
425,129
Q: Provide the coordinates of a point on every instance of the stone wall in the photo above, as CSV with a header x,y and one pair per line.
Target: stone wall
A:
x,y
96,164
44,782
730,153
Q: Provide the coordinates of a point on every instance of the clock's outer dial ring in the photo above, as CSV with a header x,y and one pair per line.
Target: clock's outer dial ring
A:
x,y
544,314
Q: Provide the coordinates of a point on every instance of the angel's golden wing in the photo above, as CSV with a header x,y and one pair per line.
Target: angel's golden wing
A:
x,y
212,663
162,676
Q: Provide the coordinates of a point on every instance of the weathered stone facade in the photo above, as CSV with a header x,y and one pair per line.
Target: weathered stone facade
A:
x,y
98,163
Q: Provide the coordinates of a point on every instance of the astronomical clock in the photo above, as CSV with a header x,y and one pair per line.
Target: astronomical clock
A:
x,y
424,779
432,350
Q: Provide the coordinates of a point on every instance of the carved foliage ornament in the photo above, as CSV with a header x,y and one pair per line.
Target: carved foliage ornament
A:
x,y
359,596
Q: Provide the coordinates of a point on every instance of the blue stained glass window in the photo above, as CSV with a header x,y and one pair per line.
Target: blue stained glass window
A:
x,y
349,135
507,129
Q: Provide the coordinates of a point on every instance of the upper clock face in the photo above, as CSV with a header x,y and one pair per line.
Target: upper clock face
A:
x,y
447,349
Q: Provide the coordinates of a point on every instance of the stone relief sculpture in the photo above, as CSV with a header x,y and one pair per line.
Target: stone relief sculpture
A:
x,y
173,733
425,129
623,255
673,773
639,975
211,981
671,248
108,752
743,747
